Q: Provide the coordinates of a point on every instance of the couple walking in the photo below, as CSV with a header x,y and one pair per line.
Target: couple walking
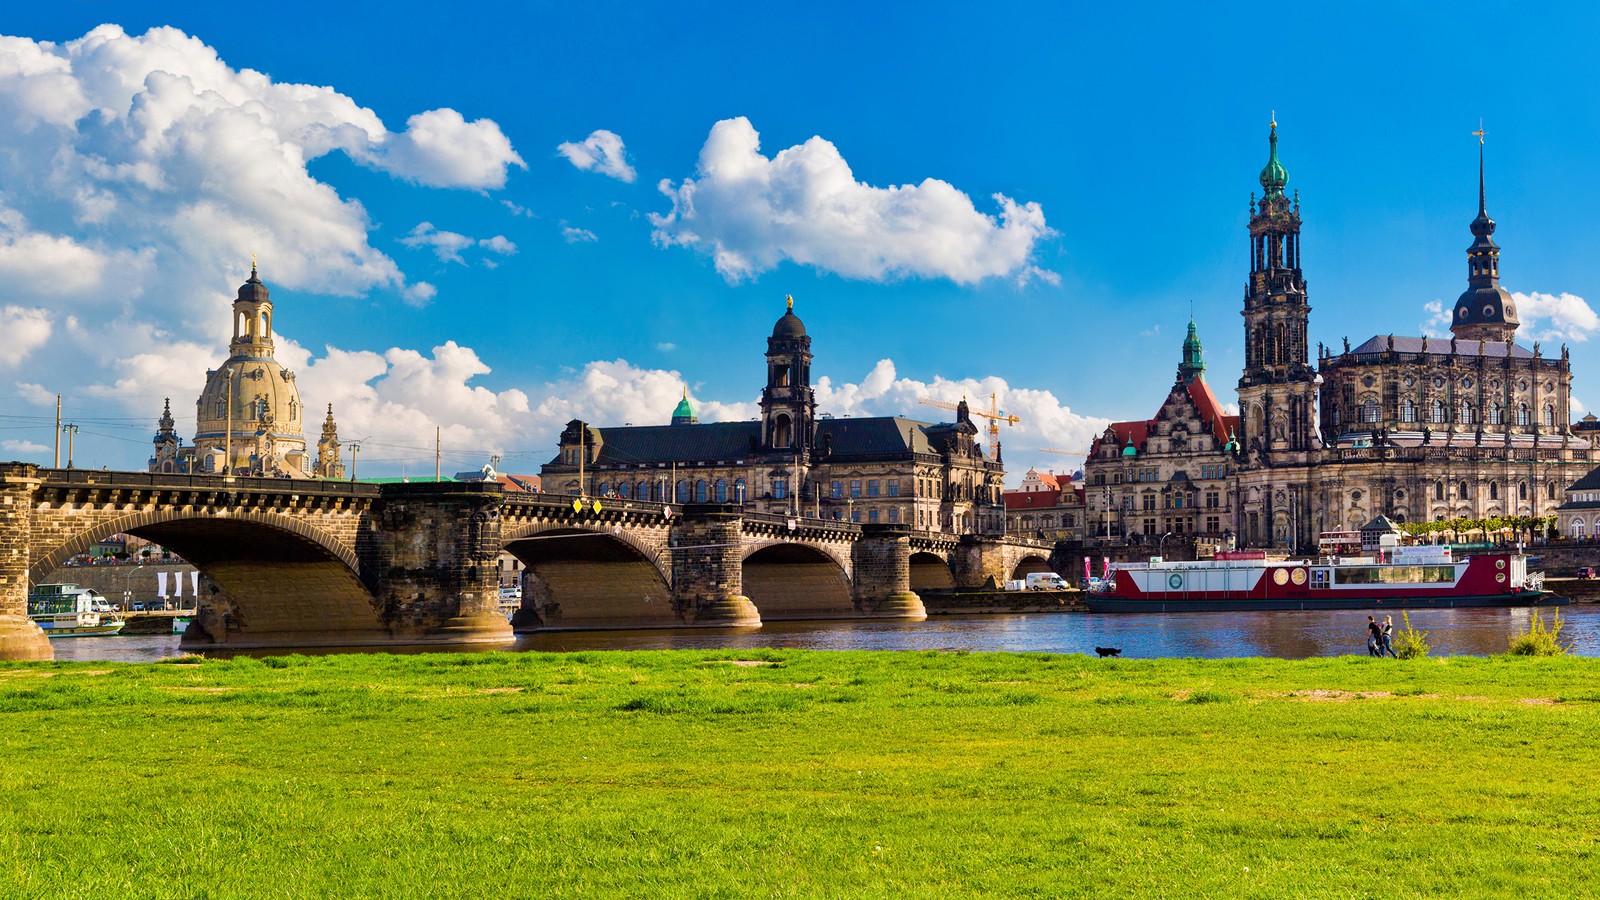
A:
x,y
1380,636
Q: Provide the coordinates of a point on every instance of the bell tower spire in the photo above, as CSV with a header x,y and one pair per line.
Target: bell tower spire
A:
x,y
1485,311
1277,391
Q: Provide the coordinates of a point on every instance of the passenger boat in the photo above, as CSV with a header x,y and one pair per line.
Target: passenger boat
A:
x,y
1401,578
66,610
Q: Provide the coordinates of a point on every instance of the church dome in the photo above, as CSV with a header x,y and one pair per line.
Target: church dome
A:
x,y
1273,175
684,410
253,291
789,326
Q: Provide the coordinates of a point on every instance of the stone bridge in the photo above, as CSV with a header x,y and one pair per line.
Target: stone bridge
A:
x,y
318,563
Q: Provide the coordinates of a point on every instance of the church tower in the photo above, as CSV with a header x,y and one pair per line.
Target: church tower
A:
x,y
1193,365
329,464
1485,312
788,406
1277,391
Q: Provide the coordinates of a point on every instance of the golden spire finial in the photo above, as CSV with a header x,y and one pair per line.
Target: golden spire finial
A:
x,y
1480,133
686,392
252,264
790,299
1274,118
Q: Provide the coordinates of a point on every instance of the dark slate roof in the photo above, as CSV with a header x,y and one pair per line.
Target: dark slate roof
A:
x,y
634,445
1589,482
1379,343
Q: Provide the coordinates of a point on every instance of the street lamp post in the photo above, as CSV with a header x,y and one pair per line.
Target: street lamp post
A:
x,y
127,590
1161,547
72,432
355,453
227,428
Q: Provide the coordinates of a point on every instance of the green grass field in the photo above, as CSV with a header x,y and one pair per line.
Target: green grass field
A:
x,y
794,773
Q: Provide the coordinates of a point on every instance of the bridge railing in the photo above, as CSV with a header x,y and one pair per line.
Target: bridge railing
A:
x,y
103,478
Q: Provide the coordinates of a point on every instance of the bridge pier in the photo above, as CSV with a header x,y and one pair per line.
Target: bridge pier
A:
x,y
19,637
882,563
707,567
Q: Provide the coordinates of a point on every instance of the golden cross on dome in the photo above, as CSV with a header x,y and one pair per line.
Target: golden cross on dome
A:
x,y
1480,132
252,264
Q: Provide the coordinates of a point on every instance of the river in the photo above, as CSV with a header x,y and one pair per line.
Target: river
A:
x,y
1286,635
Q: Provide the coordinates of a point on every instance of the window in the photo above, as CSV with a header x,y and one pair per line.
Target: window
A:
x,y
1369,411
1149,501
894,515
644,491
700,491
872,517
1213,499
1494,490
855,515
837,490
894,487
872,487
1213,524
1437,417
1466,413
605,489
1438,490
722,490
1464,494
1522,414
855,488
1496,414
683,490
780,487
1550,490
1408,411
1522,490
624,490
738,491
1549,416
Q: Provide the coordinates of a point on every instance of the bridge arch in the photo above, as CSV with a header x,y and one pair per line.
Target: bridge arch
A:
x,y
279,580
931,572
589,577
789,580
1028,565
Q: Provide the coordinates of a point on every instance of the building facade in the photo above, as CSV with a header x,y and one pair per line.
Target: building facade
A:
x,y
791,460
249,417
1412,428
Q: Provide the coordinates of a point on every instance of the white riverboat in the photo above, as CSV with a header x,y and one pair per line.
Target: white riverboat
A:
x,y
66,610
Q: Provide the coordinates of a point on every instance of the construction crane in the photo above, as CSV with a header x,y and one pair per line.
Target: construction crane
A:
x,y
994,415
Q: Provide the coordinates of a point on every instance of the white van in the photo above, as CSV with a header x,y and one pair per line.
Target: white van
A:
x,y
1046,581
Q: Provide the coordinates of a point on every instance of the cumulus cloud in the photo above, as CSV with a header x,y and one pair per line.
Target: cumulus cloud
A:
x,y
749,213
579,235
23,447
22,331
1437,323
448,245
1556,317
139,172
602,152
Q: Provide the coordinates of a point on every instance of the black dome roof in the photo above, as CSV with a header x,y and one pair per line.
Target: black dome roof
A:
x,y
789,325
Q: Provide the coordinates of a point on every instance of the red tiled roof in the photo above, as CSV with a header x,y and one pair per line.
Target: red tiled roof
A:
x,y
1031,499
1204,401
1047,479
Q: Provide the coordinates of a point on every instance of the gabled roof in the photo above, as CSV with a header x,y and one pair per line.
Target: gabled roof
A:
x,y
1589,482
1379,343
1031,499
1205,404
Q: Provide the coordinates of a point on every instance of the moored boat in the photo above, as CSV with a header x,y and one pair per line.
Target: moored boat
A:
x,y
66,610
1402,578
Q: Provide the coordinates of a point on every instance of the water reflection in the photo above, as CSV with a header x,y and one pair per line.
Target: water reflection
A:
x,y
1286,635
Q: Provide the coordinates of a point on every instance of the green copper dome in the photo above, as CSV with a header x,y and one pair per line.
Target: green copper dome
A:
x,y
1273,176
1128,450
684,409
1232,446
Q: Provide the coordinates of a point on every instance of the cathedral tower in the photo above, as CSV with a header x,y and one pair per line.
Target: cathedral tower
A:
x,y
329,463
788,406
1485,312
1277,392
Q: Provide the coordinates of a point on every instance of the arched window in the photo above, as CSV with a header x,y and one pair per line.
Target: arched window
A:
x,y
738,490
625,490
1522,490
1464,493
604,489
1549,415
1550,490
222,408
294,410
700,491
1369,411
1466,413
1408,411
1438,412
781,432
1577,528
1438,490
1494,490
1522,415
683,490
722,490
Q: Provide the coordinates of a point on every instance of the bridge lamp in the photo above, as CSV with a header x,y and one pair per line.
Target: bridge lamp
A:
x,y
227,428
1161,548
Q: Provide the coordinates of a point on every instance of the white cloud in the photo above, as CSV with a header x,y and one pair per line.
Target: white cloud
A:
x,y
22,331
22,447
1556,317
447,245
602,152
666,346
1438,322
139,172
439,148
749,213
579,235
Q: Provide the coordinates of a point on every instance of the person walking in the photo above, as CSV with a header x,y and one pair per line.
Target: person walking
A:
x,y
1374,637
1386,637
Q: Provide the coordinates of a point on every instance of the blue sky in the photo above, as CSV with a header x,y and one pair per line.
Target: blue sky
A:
x,y
1125,143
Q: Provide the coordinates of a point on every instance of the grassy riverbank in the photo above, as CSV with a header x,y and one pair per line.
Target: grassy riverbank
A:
x,y
722,774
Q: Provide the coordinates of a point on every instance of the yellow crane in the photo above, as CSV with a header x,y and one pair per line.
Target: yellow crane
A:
x,y
994,415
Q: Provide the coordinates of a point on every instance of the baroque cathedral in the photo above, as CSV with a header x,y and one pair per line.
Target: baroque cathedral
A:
x,y
792,461
1414,428
249,417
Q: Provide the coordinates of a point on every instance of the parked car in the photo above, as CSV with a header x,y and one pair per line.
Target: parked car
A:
x,y
1586,572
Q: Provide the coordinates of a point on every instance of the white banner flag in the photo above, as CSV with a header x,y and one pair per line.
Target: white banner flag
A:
x,y
194,585
161,581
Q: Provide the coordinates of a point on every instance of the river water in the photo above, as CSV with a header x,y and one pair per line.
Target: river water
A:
x,y
1286,635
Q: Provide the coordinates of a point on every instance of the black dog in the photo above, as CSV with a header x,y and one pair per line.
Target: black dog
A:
x,y
1109,651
